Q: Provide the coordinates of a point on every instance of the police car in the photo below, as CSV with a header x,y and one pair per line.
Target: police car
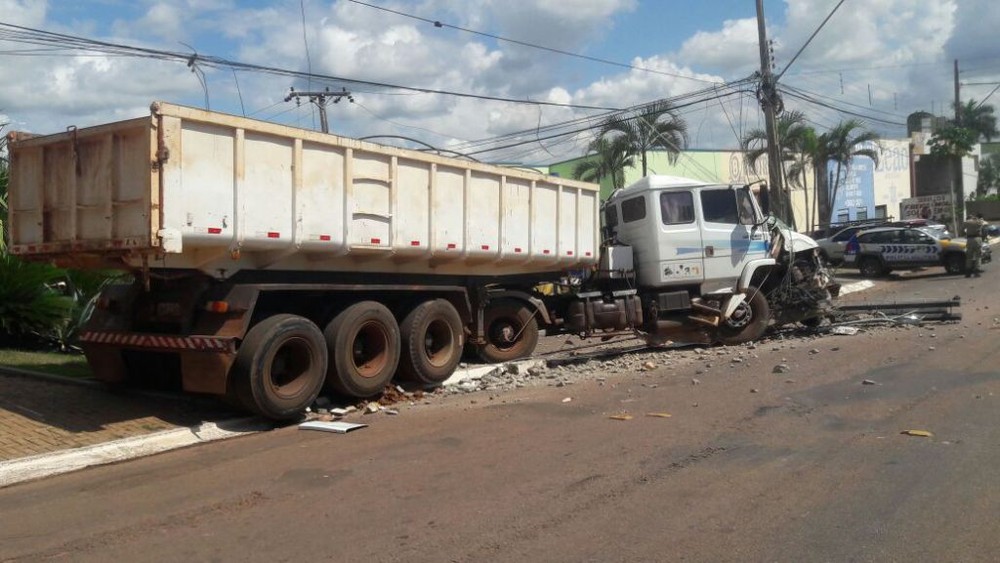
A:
x,y
876,252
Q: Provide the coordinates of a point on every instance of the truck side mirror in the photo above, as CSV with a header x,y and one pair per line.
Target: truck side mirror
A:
x,y
764,198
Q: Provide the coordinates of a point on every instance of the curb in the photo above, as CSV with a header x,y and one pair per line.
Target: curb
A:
x,y
47,465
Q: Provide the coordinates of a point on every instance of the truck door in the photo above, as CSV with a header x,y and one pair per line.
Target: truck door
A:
x,y
679,239
730,238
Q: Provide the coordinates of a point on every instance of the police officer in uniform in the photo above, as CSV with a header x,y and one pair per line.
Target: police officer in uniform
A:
x,y
974,230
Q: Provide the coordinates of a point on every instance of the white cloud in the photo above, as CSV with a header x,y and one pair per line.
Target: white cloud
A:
x,y
900,49
732,50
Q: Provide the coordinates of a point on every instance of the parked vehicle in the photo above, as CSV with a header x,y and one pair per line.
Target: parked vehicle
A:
x,y
832,248
876,252
271,262
936,228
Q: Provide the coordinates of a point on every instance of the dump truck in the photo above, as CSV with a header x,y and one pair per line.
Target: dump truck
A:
x,y
269,263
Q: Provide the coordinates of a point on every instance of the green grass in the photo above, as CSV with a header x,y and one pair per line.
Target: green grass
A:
x,y
66,365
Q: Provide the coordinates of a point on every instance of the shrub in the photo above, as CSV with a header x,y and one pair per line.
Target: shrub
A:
x,y
31,305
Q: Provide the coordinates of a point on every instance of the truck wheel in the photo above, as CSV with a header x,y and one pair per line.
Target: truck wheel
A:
x,y
954,263
749,321
511,331
364,349
280,366
432,342
871,267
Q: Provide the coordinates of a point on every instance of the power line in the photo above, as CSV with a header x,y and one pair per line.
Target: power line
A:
x,y
440,24
812,100
20,34
818,95
808,41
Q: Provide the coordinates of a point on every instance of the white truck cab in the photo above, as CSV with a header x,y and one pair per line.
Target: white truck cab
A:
x,y
706,253
687,232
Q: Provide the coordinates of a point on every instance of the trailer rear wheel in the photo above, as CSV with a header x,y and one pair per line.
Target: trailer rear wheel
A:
x,y
511,331
749,321
432,342
364,349
280,366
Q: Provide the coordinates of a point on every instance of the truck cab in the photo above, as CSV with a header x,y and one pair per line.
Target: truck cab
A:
x,y
683,232
704,256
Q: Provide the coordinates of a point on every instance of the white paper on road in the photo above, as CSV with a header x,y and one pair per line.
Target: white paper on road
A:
x,y
336,426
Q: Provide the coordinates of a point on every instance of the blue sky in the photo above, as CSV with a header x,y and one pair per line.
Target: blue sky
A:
x,y
881,59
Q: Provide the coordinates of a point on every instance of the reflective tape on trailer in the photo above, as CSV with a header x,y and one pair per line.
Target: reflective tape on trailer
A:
x,y
160,342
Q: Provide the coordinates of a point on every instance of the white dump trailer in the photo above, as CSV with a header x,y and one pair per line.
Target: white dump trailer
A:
x,y
271,262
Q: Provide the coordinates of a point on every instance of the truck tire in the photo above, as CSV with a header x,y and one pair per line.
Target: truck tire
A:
x,y
748,322
511,331
363,341
432,338
280,366
871,267
954,263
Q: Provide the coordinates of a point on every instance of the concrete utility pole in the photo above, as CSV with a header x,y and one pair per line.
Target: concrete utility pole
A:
x,y
958,192
320,100
769,102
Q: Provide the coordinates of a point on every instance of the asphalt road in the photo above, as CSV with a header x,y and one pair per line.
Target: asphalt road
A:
x,y
808,465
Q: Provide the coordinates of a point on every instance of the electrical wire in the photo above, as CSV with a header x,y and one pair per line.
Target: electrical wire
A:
x,y
439,24
21,34
808,41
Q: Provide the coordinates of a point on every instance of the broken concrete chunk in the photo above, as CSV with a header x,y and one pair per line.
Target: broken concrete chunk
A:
x,y
844,330
781,368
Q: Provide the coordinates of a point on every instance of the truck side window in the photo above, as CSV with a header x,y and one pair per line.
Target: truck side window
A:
x,y
719,206
748,216
676,208
634,209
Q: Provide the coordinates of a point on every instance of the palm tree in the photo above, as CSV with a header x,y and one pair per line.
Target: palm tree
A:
x,y
611,158
651,127
839,145
794,140
978,117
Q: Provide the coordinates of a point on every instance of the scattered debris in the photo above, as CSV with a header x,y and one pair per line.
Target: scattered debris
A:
x,y
755,390
338,427
648,365
695,381
920,433
869,382
620,417
781,368
392,412
372,408
844,330
659,414
567,399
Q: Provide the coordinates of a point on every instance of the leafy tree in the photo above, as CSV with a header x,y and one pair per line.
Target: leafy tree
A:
x,y
610,160
652,127
953,143
989,175
978,117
